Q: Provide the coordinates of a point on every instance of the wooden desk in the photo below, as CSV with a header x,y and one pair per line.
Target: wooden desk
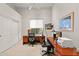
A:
x,y
39,39
60,50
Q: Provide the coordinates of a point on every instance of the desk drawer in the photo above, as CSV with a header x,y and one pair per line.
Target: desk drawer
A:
x,y
25,39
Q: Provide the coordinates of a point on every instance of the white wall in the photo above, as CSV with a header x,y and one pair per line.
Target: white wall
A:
x,y
11,25
60,10
43,14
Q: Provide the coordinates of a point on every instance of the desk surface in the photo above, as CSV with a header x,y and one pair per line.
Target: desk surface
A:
x,y
60,50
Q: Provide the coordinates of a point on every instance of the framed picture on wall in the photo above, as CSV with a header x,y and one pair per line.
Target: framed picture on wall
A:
x,y
67,22
48,26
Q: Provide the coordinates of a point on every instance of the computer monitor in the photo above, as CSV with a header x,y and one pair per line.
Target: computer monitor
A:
x,y
57,34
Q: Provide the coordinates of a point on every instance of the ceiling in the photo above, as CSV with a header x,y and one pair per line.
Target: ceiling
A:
x,y
20,7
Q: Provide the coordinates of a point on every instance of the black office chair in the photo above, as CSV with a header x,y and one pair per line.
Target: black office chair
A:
x,y
49,50
31,38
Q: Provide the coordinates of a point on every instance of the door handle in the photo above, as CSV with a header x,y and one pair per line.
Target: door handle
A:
x,y
0,35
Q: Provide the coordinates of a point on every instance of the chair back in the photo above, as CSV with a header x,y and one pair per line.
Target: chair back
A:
x,y
31,37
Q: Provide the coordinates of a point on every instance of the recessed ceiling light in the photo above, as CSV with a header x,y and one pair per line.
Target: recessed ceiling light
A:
x,y
30,7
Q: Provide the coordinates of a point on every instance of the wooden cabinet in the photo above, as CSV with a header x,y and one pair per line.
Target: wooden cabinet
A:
x,y
39,38
60,51
25,39
65,51
77,53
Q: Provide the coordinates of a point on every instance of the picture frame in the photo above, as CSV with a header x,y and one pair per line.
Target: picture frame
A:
x,y
67,22
48,26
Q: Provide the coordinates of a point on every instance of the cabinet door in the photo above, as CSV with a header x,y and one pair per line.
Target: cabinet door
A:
x,y
2,35
8,32
1,28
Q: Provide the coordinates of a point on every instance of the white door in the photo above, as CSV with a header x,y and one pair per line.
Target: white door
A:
x,y
8,33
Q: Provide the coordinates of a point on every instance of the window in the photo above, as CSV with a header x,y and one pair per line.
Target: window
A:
x,y
36,23
36,26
